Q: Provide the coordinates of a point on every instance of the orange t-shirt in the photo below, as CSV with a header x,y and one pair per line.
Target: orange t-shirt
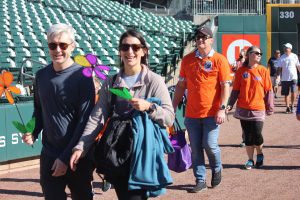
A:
x,y
253,85
203,77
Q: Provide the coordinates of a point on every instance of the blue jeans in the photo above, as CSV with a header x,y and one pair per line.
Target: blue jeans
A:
x,y
203,134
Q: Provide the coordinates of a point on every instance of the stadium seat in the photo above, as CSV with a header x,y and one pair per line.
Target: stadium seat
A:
x,y
98,26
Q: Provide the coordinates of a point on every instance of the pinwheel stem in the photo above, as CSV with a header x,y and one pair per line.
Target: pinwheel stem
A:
x,y
19,114
21,119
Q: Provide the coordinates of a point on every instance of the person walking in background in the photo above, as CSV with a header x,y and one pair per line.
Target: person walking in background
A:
x,y
206,76
287,67
238,63
272,66
241,59
143,84
63,100
298,109
298,105
298,84
252,90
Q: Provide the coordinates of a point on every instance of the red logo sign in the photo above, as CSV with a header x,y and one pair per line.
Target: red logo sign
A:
x,y
232,44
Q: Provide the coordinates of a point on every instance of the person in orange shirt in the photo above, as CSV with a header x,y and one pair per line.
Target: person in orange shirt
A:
x,y
206,76
252,89
239,63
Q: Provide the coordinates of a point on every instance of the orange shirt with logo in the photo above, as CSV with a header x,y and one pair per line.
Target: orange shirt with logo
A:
x,y
253,83
203,78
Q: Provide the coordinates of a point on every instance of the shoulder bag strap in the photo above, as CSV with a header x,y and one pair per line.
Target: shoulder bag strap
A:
x,y
113,97
112,107
177,125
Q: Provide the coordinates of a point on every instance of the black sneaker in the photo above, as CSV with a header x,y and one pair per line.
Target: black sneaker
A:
x,y
200,186
216,179
259,160
292,109
288,110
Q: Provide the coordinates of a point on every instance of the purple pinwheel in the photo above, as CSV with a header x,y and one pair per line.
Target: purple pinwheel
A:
x,y
90,62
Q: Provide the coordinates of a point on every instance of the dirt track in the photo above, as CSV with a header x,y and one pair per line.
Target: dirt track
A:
x,y
278,179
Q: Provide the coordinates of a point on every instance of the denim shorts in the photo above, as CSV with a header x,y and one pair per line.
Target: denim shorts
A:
x,y
287,86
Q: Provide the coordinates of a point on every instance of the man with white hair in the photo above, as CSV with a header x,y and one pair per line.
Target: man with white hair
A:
x,y
63,100
287,66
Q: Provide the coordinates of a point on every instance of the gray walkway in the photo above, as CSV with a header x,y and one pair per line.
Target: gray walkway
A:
x,y
278,179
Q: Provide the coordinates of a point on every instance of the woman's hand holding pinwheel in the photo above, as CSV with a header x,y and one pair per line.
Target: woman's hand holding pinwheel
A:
x,y
140,104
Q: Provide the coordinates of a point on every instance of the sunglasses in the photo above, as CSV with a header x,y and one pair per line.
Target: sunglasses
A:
x,y
257,53
203,37
134,47
62,45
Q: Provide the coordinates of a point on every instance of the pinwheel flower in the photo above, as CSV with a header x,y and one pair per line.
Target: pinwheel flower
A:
x,y
6,78
90,62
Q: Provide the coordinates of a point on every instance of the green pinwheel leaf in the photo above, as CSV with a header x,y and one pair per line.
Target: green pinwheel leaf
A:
x,y
126,93
30,125
19,126
121,92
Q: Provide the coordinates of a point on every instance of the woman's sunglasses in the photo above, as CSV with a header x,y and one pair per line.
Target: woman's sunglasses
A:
x,y
257,53
62,45
135,47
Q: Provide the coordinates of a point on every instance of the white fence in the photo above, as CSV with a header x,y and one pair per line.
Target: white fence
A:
x,y
234,7
283,1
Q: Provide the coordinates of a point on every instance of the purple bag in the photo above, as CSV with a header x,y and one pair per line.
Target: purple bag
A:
x,y
180,160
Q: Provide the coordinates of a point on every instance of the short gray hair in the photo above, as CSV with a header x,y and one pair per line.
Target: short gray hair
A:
x,y
59,29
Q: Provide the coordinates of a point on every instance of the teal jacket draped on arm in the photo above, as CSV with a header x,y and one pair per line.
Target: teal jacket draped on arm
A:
x,y
148,169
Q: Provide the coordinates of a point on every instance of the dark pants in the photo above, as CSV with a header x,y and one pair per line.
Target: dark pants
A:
x,y
121,188
252,131
79,182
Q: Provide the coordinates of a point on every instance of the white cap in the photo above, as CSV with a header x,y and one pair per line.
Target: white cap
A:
x,y
288,45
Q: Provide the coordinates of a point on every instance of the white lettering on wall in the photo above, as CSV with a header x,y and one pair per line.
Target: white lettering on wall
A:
x,y
286,14
15,138
2,141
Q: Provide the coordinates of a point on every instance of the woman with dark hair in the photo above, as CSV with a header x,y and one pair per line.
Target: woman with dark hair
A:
x,y
252,89
143,84
123,46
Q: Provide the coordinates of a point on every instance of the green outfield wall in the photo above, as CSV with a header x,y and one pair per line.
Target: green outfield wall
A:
x,y
240,32
11,144
283,25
